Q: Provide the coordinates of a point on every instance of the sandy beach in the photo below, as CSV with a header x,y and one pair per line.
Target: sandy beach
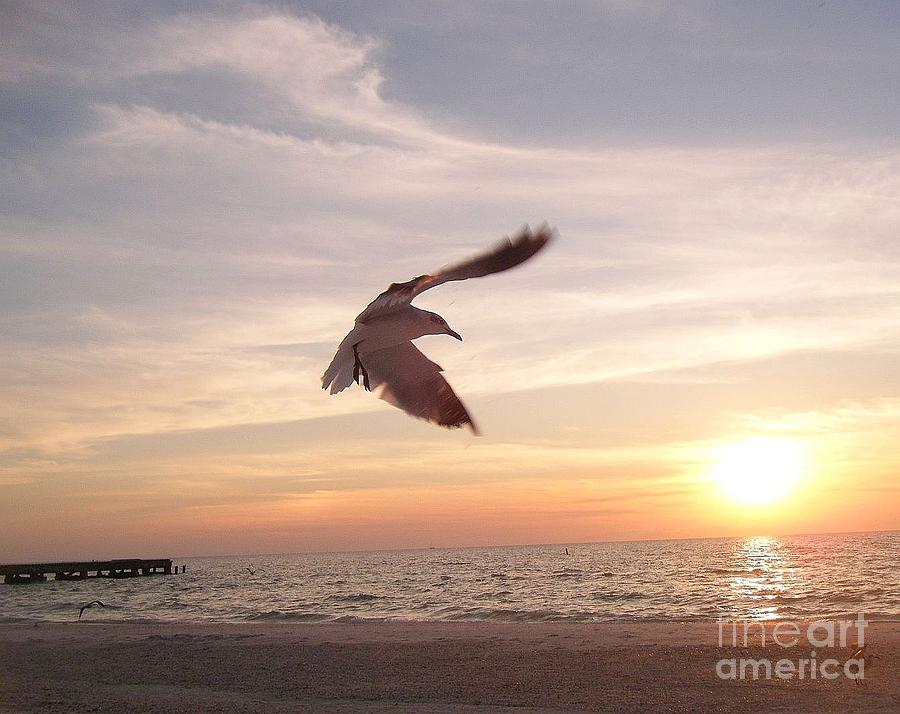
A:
x,y
429,667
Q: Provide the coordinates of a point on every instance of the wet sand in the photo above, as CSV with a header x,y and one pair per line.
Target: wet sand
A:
x,y
413,667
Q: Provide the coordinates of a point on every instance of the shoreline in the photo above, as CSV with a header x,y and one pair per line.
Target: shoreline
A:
x,y
98,617
415,666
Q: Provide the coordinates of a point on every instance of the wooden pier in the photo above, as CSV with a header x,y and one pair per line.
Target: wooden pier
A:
x,y
122,568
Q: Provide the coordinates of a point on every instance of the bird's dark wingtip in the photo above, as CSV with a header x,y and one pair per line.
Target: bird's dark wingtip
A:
x,y
527,242
543,234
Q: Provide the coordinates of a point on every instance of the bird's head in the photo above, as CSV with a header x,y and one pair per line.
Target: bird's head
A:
x,y
437,325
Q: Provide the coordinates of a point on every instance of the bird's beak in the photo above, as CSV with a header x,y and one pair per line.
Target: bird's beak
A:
x,y
452,333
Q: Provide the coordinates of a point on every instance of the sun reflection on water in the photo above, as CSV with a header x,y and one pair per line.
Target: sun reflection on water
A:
x,y
765,575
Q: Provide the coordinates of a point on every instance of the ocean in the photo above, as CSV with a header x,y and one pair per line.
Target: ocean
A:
x,y
760,578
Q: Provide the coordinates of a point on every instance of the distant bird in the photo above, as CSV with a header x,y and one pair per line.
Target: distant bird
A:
x,y
89,605
252,572
379,347
865,660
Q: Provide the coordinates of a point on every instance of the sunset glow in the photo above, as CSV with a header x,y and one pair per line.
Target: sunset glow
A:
x,y
197,201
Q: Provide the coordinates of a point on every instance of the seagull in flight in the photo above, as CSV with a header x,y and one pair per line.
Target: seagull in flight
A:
x,y
379,348
90,604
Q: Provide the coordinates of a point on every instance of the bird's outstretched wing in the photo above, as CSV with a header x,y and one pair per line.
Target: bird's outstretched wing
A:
x,y
90,604
413,383
507,254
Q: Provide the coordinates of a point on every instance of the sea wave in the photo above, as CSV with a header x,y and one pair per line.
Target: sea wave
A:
x,y
568,573
745,572
288,616
358,597
513,615
616,595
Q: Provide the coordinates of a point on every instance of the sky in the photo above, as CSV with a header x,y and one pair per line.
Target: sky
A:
x,y
196,199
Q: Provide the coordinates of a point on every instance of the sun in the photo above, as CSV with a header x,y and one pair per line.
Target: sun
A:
x,y
759,470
